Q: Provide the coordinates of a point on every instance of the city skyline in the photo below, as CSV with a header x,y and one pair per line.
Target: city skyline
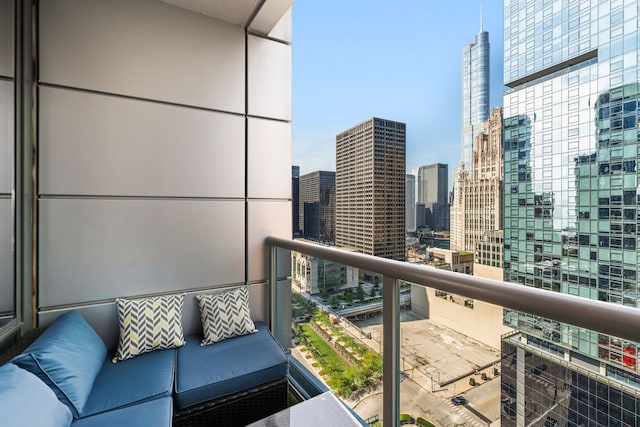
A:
x,y
328,98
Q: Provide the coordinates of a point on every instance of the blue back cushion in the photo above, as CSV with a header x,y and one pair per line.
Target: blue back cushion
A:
x,y
67,357
26,401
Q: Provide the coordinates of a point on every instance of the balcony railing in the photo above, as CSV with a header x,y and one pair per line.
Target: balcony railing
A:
x,y
607,318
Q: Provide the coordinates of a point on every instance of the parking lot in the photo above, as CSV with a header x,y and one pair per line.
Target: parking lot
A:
x,y
437,363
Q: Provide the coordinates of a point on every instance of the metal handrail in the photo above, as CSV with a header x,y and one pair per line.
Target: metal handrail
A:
x,y
608,318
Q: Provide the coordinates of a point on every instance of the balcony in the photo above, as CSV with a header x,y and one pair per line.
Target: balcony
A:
x,y
411,385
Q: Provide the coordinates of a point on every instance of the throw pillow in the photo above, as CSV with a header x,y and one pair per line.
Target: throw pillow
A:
x,y
225,315
148,324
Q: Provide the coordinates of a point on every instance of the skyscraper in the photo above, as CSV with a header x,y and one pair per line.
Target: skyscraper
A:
x,y
432,187
475,92
370,188
410,202
571,142
477,205
318,206
295,200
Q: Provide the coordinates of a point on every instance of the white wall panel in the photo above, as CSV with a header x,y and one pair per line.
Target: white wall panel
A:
x,y
269,159
265,218
96,144
6,38
269,78
104,317
284,28
142,48
7,299
97,249
269,17
6,136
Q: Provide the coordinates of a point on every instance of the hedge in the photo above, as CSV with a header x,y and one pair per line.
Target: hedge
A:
x,y
424,423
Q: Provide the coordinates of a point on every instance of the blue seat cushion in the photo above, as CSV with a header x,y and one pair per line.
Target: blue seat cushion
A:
x,y
26,401
227,367
156,413
142,378
67,357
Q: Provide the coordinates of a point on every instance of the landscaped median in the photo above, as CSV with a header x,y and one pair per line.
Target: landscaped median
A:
x,y
357,368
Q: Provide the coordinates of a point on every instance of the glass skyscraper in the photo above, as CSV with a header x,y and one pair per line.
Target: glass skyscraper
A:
x,y
571,213
475,93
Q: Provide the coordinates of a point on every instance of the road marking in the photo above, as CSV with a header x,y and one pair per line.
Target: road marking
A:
x,y
462,413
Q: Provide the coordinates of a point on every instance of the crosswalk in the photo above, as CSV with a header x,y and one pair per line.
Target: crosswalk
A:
x,y
464,414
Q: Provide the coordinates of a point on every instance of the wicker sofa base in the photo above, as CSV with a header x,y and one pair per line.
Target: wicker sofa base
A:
x,y
236,410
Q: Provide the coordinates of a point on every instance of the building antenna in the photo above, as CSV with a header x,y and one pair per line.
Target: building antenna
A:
x,y
480,16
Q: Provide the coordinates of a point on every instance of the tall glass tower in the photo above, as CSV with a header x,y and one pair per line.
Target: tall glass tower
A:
x,y
572,205
475,92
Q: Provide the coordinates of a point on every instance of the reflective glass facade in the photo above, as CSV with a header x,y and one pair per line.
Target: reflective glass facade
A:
x,y
318,206
475,93
571,184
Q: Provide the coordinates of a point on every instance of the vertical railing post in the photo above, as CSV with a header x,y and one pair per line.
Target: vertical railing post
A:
x,y
391,351
273,280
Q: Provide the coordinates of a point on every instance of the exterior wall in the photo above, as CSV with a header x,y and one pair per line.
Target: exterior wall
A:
x,y
483,322
487,272
295,200
410,202
478,188
370,206
318,206
313,275
456,224
155,173
7,135
432,189
559,389
489,252
475,93
461,262
571,141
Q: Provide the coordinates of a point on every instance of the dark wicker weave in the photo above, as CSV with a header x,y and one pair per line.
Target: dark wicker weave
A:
x,y
20,345
236,410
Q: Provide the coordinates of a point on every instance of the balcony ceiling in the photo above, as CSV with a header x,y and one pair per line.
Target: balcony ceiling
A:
x,y
258,15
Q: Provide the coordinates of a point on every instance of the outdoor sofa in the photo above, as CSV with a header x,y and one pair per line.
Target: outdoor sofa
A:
x,y
67,377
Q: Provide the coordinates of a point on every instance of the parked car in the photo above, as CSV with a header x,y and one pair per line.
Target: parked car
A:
x,y
458,400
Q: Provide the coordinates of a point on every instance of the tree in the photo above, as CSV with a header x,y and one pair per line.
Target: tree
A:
x,y
334,302
348,296
360,295
324,294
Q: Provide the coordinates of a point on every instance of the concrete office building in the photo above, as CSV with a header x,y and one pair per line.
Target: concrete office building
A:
x,y
571,140
370,188
432,189
477,205
318,206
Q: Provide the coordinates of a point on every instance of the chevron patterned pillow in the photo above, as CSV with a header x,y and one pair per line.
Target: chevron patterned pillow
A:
x,y
148,324
225,315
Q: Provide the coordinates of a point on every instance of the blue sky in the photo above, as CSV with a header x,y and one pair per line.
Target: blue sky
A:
x,y
399,60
